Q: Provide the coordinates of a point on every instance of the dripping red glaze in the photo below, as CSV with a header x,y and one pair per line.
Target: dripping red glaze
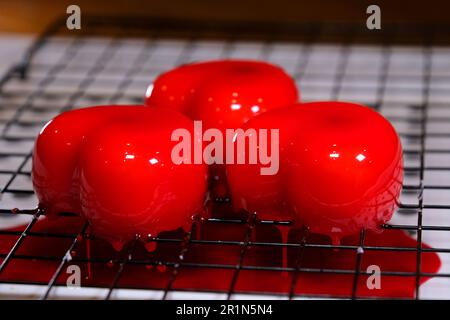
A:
x,y
113,165
152,275
340,169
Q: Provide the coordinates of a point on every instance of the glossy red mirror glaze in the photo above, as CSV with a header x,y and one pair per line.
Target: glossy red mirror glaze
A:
x,y
223,94
120,172
56,152
340,169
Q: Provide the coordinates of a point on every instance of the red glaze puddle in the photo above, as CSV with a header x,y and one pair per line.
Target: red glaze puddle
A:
x,y
219,277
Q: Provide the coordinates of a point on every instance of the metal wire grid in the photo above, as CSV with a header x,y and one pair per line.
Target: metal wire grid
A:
x,y
66,73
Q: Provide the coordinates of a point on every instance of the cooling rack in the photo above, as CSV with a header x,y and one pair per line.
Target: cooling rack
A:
x,y
404,73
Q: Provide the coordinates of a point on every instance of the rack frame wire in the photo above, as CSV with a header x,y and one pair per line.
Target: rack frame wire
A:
x,y
308,34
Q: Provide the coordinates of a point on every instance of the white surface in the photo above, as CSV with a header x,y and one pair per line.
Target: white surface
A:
x,y
12,48
141,62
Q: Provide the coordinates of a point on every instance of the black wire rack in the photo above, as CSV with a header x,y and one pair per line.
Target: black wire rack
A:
x,y
401,72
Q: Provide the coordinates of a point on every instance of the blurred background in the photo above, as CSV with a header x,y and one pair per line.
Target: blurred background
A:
x,y
33,16
402,71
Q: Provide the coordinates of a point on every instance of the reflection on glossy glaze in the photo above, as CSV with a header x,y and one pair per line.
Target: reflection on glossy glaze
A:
x,y
340,169
223,94
113,164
